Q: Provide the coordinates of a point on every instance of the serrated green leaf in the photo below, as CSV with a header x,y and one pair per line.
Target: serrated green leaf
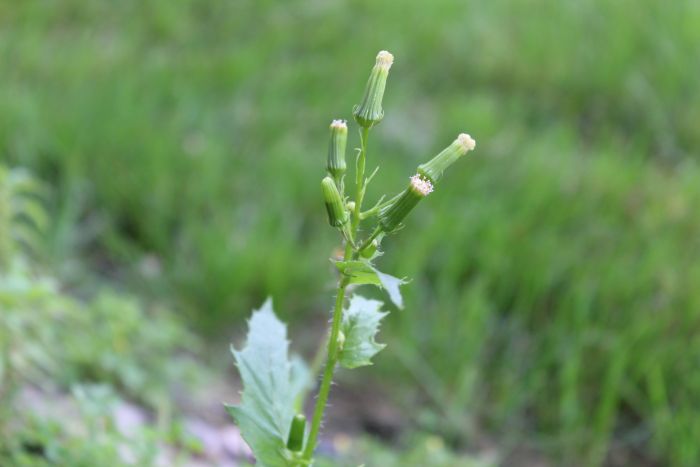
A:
x,y
271,384
360,326
362,272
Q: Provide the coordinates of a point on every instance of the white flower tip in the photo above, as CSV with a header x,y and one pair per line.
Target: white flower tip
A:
x,y
466,141
385,59
421,185
339,125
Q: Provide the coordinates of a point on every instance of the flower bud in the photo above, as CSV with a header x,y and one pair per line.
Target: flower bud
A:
x,y
433,169
369,112
295,442
391,216
337,215
336,149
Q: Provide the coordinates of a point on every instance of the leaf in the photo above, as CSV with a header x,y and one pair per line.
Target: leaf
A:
x,y
301,377
360,326
391,285
361,272
301,381
271,383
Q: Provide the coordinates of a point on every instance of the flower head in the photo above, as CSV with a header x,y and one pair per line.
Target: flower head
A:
x,y
336,150
434,168
467,142
391,216
421,185
385,59
369,112
335,207
339,125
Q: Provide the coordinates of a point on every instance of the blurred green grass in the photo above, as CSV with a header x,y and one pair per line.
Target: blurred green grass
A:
x,y
553,300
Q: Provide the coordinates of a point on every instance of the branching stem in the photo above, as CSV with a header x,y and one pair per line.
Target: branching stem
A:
x,y
360,179
333,350
367,242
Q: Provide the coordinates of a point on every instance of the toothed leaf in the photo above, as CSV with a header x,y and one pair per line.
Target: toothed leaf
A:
x,y
360,326
271,384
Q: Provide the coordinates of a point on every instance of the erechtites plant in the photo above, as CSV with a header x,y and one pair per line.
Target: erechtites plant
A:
x,y
274,384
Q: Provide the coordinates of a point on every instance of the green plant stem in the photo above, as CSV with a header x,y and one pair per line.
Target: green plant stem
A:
x,y
332,353
331,361
360,179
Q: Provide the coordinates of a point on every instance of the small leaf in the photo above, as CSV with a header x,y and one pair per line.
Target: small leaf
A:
x,y
360,326
362,272
391,285
271,383
359,272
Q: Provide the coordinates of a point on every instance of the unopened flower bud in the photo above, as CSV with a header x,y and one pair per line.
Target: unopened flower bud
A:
x,y
391,216
336,149
351,206
433,169
337,215
295,441
369,112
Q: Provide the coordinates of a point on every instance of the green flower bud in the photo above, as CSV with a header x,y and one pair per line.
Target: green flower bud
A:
x,y
337,215
336,149
433,169
295,442
369,112
391,216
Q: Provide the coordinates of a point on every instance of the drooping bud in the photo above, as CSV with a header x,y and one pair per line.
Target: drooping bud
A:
x,y
369,112
295,442
433,169
336,149
337,215
391,216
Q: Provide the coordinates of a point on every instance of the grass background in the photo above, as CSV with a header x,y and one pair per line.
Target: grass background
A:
x,y
554,301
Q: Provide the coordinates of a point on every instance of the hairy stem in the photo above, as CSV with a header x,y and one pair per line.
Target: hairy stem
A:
x,y
332,353
331,360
